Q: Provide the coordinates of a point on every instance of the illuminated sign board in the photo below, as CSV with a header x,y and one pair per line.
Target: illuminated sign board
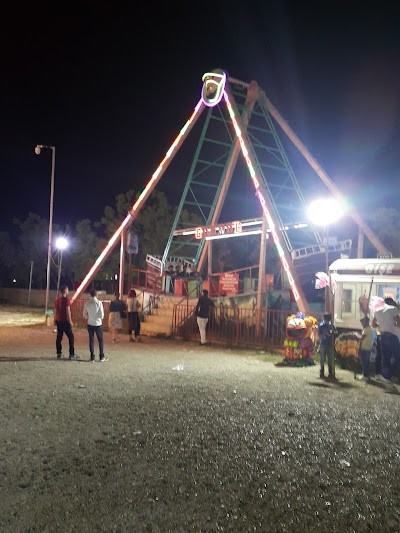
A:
x,y
219,229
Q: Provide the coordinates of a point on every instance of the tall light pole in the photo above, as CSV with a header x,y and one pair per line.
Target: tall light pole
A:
x,y
61,244
38,149
323,213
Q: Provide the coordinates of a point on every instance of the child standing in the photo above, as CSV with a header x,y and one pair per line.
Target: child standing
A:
x,y
326,332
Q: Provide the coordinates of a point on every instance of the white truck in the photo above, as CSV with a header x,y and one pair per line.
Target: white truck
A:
x,y
353,281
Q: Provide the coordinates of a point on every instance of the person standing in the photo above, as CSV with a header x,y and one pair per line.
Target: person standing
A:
x,y
133,316
387,319
93,312
202,313
62,308
117,312
367,339
169,279
378,354
326,332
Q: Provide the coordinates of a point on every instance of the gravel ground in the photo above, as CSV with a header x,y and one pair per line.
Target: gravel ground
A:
x,y
170,436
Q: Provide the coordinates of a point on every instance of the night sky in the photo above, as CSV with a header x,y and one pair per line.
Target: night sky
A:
x,y
111,93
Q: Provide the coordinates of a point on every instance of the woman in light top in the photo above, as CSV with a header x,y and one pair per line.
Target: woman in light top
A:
x,y
133,307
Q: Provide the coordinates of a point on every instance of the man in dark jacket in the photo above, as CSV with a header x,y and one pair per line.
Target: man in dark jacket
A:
x,y
62,308
202,313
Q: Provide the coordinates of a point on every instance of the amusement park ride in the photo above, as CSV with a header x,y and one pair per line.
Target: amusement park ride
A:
x,y
240,127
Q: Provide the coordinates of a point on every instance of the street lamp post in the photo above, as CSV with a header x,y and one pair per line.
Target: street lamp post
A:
x,y
323,213
328,285
38,149
61,244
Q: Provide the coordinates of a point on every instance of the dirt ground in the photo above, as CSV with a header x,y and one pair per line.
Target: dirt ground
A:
x,y
169,436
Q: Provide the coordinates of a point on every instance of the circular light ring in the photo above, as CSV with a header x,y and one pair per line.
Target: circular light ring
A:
x,y
213,88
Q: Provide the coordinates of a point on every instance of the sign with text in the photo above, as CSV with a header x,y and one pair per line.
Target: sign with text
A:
x,y
218,230
229,283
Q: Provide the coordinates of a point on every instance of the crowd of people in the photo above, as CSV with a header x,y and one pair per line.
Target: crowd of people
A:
x,y
387,322
93,313
382,336
181,271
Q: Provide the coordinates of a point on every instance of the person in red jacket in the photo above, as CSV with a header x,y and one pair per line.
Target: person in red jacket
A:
x,y
62,310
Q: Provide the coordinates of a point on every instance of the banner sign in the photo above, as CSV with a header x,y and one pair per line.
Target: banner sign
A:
x,y
132,243
229,283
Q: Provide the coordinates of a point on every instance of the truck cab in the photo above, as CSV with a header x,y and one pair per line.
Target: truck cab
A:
x,y
355,282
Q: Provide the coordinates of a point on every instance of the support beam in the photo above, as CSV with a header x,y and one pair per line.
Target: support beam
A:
x,y
267,208
360,243
122,265
261,273
252,97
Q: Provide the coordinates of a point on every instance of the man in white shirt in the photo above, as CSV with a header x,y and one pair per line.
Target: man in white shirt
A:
x,y
387,319
93,312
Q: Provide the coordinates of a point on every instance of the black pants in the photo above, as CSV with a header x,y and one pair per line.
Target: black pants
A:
x,y
134,323
99,334
390,355
378,360
64,327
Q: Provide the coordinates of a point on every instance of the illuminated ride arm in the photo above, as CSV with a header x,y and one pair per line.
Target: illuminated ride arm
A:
x,y
130,217
268,212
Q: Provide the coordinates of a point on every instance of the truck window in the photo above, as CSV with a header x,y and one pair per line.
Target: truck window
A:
x,y
347,301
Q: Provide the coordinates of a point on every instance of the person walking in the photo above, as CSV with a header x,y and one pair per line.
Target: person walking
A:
x,y
387,319
133,307
62,309
93,312
326,332
202,313
117,313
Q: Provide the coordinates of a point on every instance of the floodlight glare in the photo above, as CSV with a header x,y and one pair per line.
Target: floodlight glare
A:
x,y
325,211
61,243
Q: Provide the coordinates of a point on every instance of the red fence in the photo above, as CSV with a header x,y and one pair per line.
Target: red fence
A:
x,y
151,280
234,326
230,326
77,313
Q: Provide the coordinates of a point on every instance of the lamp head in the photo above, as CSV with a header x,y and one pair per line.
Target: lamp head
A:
x,y
38,149
61,243
325,211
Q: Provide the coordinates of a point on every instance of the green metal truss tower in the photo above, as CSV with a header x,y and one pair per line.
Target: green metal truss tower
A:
x,y
216,163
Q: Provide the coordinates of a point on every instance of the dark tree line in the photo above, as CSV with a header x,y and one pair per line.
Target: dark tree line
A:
x,y
153,225
86,239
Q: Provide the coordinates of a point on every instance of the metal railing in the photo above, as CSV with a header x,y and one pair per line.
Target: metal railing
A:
x,y
149,280
227,325
77,313
234,326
